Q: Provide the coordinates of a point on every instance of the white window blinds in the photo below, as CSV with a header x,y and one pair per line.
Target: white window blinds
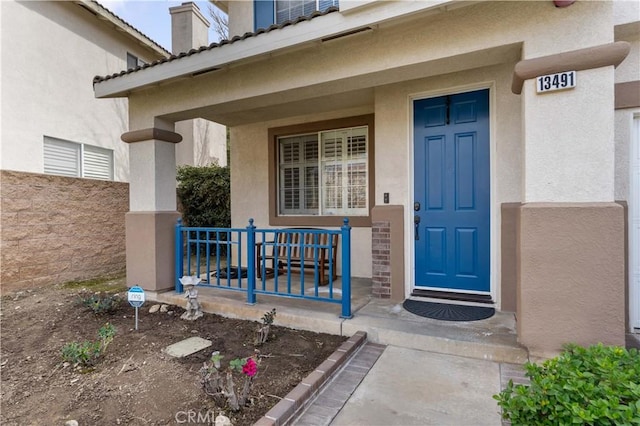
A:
x,y
66,158
97,163
335,183
61,157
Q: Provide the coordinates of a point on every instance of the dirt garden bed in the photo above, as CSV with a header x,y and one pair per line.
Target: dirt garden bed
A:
x,y
134,382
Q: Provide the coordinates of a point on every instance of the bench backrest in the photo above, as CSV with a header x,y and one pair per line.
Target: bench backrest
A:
x,y
295,243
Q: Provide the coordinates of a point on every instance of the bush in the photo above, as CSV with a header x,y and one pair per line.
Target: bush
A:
x,y
596,385
101,303
87,353
205,195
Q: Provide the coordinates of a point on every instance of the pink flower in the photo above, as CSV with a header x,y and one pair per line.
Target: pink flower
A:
x,y
250,368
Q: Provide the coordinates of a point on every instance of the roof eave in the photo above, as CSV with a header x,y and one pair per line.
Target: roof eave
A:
x,y
304,34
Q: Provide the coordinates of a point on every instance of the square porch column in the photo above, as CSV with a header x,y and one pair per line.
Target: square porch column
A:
x,y
153,214
571,284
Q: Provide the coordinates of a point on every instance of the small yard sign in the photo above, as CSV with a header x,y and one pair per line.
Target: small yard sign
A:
x,y
136,296
553,82
136,299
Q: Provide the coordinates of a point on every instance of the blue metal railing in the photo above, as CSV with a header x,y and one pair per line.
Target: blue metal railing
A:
x,y
216,255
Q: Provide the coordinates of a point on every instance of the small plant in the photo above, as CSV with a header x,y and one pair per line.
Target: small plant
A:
x,y
101,303
87,353
263,330
596,385
217,385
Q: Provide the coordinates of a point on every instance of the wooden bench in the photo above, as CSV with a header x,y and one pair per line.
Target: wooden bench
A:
x,y
285,254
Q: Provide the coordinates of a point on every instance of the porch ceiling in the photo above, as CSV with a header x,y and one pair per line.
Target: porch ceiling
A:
x,y
246,111
339,94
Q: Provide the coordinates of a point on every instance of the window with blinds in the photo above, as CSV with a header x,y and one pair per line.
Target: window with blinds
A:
x,y
97,163
66,158
61,157
324,173
289,10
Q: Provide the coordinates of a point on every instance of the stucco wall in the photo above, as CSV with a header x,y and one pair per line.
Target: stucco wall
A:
x,y
570,158
625,11
410,50
568,294
623,140
55,229
628,70
240,17
203,142
50,52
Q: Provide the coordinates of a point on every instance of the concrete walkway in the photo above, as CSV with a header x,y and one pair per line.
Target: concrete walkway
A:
x,y
401,386
413,387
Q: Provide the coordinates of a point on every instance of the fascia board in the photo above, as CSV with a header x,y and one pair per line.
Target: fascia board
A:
x,y
277,41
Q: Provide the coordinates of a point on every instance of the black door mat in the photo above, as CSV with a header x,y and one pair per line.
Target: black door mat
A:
x,y
448,312
233,272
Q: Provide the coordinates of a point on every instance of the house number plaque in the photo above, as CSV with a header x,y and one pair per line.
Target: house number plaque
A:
x,y
553,82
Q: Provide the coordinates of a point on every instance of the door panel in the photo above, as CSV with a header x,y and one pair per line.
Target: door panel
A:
x,y
452,182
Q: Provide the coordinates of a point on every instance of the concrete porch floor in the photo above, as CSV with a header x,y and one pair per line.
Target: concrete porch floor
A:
x,y
387,323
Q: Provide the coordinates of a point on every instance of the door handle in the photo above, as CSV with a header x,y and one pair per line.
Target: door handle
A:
x,y
416,206
416,221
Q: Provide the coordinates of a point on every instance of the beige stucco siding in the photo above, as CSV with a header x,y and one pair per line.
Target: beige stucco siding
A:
x,y
406,51
50,52
625,11
240,17
571,159
629,69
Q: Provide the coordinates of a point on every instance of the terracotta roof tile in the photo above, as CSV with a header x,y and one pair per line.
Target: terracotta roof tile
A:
x,y
171,58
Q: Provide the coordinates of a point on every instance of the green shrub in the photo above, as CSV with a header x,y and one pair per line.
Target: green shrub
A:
x,y
87,353
101,303
599,385
205,196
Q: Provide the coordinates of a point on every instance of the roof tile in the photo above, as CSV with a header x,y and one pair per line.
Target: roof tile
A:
x,y
171,58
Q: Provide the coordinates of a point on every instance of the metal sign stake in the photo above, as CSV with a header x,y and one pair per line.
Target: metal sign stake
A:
x,y
136,299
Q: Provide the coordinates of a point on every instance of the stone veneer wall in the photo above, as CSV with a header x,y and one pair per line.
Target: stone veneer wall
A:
x,y
381,256
55,229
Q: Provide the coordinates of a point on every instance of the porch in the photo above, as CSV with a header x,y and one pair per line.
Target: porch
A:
x,y
384,322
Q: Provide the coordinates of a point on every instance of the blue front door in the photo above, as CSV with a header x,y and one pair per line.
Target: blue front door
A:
x,y
451,200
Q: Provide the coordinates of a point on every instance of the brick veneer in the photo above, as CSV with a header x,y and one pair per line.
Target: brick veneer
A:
x,y
55,229
381,256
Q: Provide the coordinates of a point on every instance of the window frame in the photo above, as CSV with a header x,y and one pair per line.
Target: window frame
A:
x,y
274,169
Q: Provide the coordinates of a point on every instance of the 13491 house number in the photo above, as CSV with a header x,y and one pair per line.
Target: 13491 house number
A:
x,y
553,82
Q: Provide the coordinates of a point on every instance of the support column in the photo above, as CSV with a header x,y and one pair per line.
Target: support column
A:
x,y
571,284
387,227
153,214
